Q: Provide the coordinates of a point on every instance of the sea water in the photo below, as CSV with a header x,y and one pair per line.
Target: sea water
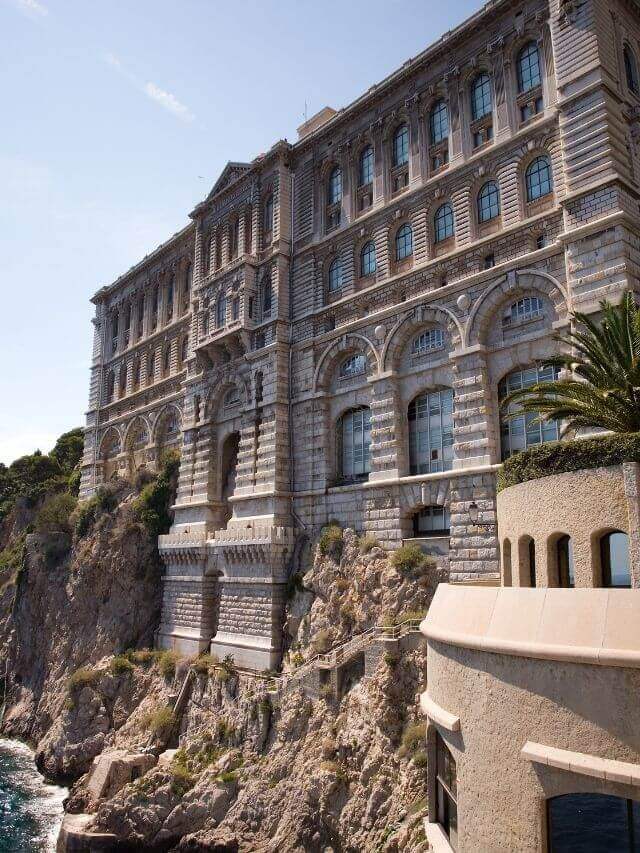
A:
x,y
30,809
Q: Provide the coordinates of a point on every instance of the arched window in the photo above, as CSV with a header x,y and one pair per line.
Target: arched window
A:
x,y
538,178
231,398
443,223
529,68
517,429
431,432
136,375
111,446
439,122
268,214
355,365
266,299
592,823
365,172
507,574
404,242
188,284
123,379
140,320
155,304
481,101
401,145
111,386
170,299
114,331
218,249
335,275
564,562
354,436
184,349
334,187
206,254
531,558
446,788
368,259
631,70
151,366
221,311
488,202
235,308
431,521
614,559
234,236
166,361
527,308
248,230
431,339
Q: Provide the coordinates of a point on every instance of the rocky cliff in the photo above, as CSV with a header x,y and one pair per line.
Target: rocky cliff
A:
x,y
171,754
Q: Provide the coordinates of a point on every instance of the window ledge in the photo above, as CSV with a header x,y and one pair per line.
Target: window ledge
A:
x,y
583,763
437,838
434,712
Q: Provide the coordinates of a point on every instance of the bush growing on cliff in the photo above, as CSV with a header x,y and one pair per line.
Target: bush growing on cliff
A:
x,y
153,505
203,663
159,722
83,677
331,542
121,665
413,740
368,543
54,516
409,558
12,561
105,500
167,663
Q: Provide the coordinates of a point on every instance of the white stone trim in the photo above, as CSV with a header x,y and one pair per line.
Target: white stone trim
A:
x,y
437,838
583,763
438,714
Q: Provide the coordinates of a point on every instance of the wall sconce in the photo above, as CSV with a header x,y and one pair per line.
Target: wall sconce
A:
x,y
473,511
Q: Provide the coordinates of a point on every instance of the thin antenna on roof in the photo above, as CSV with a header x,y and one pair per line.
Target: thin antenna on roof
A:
x,y
305,110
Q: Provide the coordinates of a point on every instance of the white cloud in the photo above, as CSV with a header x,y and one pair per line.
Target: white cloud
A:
x,y
32,8
168,101
165,99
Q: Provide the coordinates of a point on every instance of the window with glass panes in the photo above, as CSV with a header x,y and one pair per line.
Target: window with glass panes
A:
x,y
404,242
446,791
353,366
529,68
221,311
335,275
538,178
267,297
488,202
355,434
439,123
368,259
428,340
631,70
527,308
481,103
443,223
268,214
519,430
366,167
401,146
431,432
335,186
432,521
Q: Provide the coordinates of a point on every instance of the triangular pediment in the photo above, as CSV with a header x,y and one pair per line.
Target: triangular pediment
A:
x,y
229,175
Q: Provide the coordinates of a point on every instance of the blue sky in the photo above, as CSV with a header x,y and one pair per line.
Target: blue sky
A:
x,y
119,116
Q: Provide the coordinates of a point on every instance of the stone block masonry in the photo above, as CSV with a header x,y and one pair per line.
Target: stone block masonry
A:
x,y
330,336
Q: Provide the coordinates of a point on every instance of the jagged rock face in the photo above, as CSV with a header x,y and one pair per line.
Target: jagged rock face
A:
x,y
72,608
254,772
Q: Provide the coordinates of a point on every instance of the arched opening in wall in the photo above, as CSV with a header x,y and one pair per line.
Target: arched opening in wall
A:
x,y
520,430
168,434
614,560
527,561
354,445
565,568
136,448
228,465
109,452
506,563
592,823
431,521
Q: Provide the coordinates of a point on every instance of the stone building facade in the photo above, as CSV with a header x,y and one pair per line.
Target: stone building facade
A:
x,y
329,336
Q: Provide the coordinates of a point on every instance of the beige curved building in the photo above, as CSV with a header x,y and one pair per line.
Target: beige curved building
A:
x,y
532,702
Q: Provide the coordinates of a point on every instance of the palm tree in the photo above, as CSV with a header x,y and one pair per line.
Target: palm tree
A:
x,y
602,370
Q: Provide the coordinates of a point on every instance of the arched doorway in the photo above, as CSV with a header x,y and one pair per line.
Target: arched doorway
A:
x,y
614,559
228,464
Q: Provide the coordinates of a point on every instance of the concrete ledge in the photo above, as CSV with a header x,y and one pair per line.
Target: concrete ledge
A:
x,y
591,626
583,763
436,836
434,712
76,837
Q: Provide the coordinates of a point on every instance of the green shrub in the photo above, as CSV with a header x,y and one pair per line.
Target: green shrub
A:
x,y
413,739
182,780
331,542
167,662
12,560
154,504
159,722
120,665
228,776
408,558
68,449
104,501
85,676
563,456
143,657
54,514
420,758
225,730
368,543
348,613
203,663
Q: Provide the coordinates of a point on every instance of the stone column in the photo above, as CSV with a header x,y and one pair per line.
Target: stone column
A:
x,y
475,441
387,445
